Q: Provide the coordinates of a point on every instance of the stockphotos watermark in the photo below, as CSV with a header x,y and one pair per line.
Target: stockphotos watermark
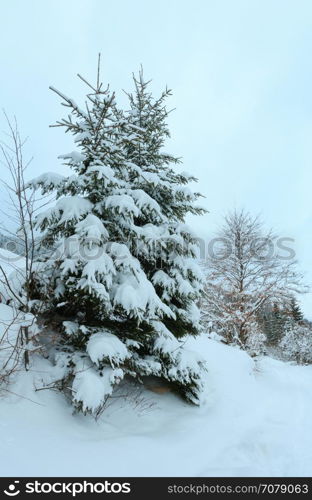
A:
x,y
91,249
258,248
65,487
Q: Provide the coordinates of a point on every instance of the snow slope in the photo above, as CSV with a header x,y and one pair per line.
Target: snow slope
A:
x,y
256,420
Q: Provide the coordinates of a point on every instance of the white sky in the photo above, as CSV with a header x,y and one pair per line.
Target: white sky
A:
x,y
241,74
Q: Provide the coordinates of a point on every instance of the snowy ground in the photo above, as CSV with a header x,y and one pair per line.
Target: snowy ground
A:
x,y
256,421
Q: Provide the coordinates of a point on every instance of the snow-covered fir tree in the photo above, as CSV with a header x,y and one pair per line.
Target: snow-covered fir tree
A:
x,y
277,323
120,269
272,320
277,316
295,310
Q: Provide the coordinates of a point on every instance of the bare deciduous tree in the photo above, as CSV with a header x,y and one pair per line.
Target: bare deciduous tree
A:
x,y
244,271
19,224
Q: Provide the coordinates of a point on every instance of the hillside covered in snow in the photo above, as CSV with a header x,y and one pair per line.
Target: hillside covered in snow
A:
x,y
255,421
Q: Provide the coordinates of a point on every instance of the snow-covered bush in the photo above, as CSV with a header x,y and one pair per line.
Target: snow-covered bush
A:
x,y
120,267
256,340
296,343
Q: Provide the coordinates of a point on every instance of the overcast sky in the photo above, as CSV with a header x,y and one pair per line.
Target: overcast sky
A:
x,y
241,73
